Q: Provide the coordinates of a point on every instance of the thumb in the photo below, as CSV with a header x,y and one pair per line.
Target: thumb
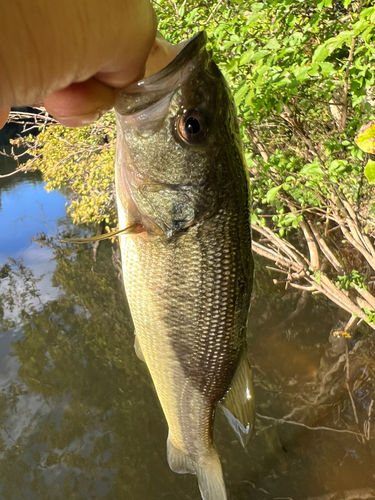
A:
x,y
4,113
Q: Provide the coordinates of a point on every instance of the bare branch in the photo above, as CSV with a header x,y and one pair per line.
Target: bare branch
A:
x,y
304,288
288,116
346,87
300,424
283,245
275,257
353,224
370,299
325,286
214,10
324,248
358,245
313,249
259,145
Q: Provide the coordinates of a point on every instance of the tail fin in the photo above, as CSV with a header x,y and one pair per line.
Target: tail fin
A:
x,y
207,468
210,477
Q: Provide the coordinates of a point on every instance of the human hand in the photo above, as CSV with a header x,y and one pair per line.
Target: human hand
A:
x,y
71,54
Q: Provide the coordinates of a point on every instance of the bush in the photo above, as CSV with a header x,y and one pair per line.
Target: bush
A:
x,y
302,77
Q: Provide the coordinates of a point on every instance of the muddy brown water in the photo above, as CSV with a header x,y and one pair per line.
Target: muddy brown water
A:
x,y
79,418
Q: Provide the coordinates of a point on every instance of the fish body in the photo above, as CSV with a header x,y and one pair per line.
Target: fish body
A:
x,y
183,191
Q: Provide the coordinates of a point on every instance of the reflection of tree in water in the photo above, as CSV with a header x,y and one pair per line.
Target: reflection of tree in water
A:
x,y
315,394
18,290
81,399
81,421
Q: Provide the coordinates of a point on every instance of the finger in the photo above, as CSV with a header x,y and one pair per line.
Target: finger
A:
x,y
129,65
4,113
80,103
162,54
120,79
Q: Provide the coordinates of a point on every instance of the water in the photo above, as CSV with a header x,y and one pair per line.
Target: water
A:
x,y
79,418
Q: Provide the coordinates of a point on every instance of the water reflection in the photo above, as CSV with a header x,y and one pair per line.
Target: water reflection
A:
x,y
79,418
23,210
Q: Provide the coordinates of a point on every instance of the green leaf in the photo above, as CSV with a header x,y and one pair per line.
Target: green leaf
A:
x,y
273,44
240,94
246,56
314,69
327,68
312,169
365,139
257,7
249,97
370,171
360,26
321,53
290,218
253,18
301,72
272,193
260,54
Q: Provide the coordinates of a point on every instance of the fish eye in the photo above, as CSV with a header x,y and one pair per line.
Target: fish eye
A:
x,y
192,126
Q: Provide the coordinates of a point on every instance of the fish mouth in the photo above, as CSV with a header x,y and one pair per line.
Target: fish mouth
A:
x,y
142,94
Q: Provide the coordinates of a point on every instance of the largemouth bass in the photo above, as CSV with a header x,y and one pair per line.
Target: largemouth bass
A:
x,y
183,194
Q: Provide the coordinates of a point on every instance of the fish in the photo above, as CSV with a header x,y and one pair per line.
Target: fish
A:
x,y
183,196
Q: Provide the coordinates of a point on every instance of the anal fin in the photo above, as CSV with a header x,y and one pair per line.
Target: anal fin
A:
x,y
178,461
238,403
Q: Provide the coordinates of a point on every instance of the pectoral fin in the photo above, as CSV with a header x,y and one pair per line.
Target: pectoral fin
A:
x,y
238,403
171,208
138,349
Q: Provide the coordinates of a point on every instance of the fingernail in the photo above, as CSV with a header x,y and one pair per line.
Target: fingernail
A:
x,y
78,121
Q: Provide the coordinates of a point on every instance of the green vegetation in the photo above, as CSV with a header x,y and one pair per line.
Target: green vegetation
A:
x,y
302,76
81,163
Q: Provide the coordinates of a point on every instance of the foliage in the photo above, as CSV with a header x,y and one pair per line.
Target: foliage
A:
x,y
81,163
365,138
302,77
351,279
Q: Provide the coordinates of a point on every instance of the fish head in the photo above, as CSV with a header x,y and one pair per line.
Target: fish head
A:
x,y
173,130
